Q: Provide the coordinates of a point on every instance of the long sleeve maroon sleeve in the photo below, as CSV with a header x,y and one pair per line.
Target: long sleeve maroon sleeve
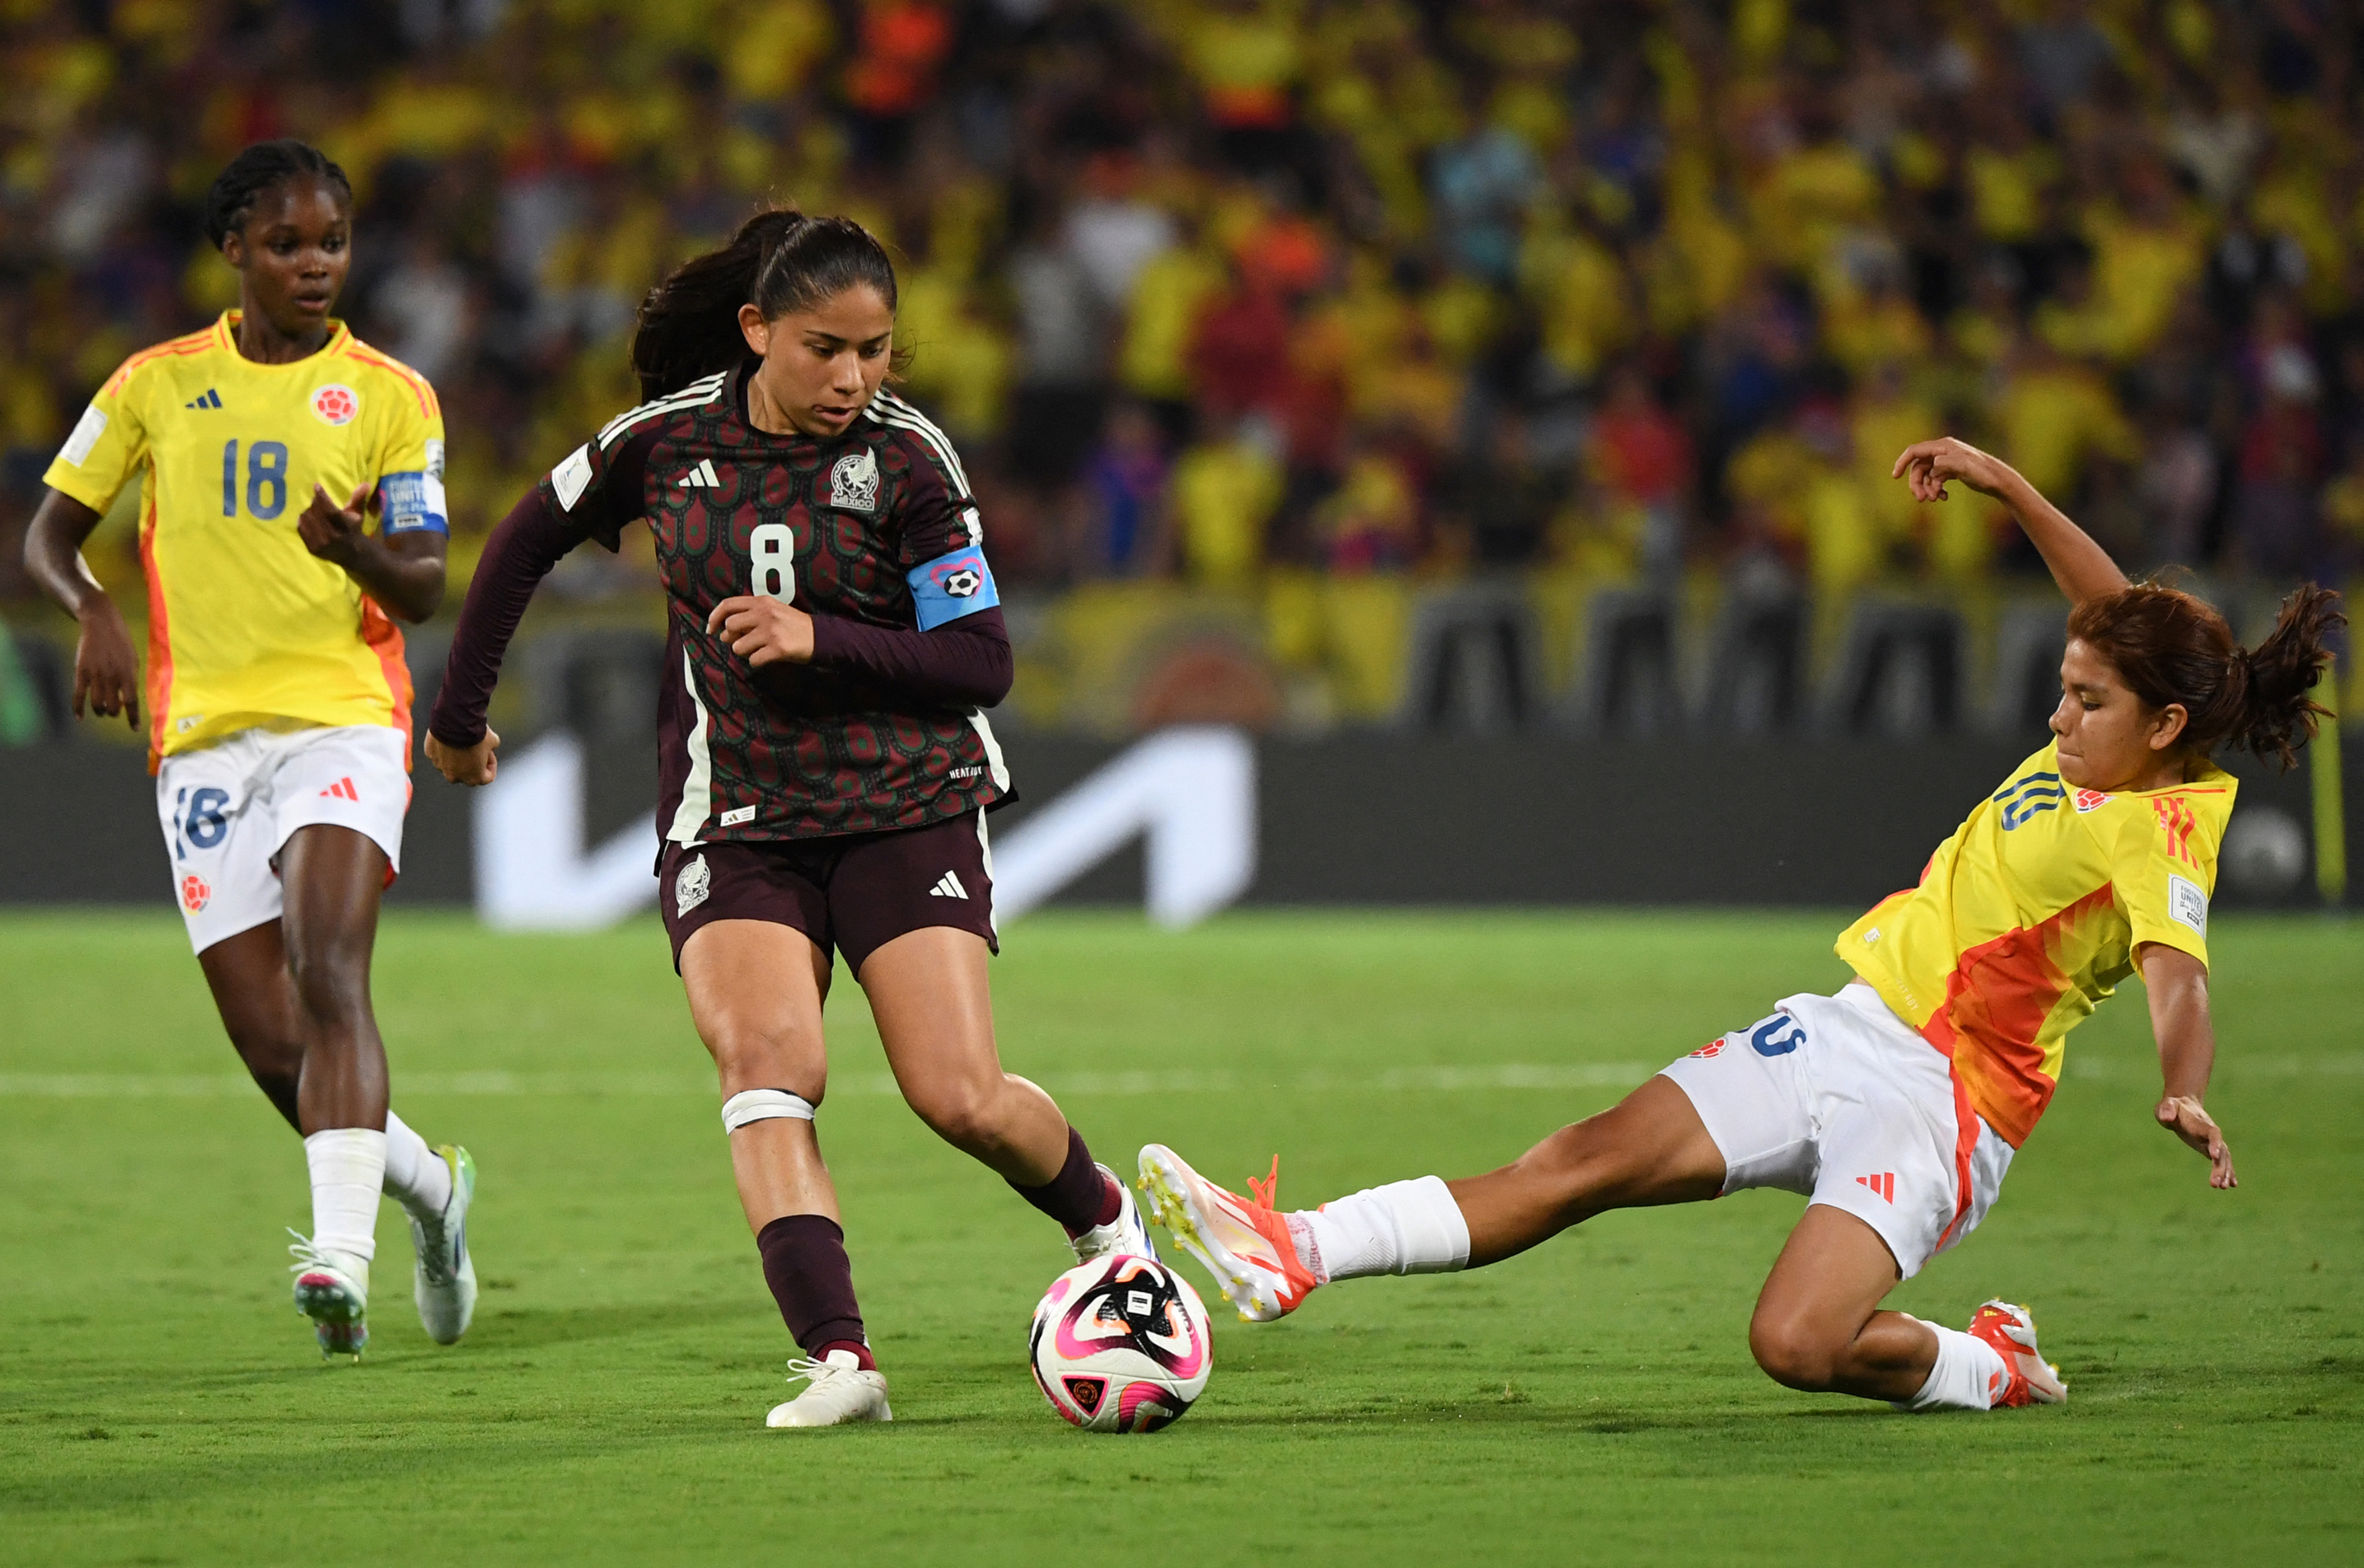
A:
x,y
968,662
519,554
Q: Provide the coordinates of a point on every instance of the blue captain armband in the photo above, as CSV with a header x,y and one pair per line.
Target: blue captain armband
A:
x,y
950,586
413,502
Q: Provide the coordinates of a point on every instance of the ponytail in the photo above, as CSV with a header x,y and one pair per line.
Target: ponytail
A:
x,y
2172,647
779,260
2276,715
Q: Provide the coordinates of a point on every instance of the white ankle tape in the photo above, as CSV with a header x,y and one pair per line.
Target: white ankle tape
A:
x,y
764,1105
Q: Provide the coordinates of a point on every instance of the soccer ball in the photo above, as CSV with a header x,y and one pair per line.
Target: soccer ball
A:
x,y
1119,1345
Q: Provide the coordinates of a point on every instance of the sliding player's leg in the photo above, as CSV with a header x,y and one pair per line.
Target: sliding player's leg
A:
x,y
255,996
929,992
1650,1147
755,989
1818,1327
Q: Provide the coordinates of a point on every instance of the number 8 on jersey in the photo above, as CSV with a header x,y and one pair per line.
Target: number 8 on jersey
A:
x,y
772,548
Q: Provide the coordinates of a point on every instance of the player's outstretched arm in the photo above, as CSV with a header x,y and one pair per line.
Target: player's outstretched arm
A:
x,y
2082,567
518,556
2177,983
404,573
107,668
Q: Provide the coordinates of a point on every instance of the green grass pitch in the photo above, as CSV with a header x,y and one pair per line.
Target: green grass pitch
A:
x,y
161,1403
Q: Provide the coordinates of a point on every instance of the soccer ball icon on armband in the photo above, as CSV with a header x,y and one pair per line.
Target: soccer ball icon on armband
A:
x,y
1120,1344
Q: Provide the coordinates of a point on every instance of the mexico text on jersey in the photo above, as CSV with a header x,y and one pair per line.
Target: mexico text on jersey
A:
x,y
245,626
2030,915
876,526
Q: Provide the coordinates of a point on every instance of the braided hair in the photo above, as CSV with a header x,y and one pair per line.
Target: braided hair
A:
x,y
257,169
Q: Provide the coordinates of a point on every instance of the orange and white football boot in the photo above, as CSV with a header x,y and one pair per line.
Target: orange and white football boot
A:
x,y
1244,1242
2011,1331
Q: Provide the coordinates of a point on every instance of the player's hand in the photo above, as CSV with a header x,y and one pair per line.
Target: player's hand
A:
x,y
106,670
2183,1116
475,764
763,631
334,533
1928,466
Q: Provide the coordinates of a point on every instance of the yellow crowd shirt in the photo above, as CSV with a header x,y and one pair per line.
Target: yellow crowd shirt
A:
x,y
2030,915
247,627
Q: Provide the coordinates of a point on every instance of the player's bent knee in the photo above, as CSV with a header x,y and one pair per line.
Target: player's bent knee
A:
x,y
1793,1353
966,1115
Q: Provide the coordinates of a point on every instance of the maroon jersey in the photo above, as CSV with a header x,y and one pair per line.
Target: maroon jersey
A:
x,y
874,526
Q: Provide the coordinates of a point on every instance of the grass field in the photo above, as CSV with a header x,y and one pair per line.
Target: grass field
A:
x,y
159,1402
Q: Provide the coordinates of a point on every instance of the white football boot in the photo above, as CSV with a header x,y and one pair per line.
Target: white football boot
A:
x,y
838,1390
1245,1242
444,1280
332,1290
1125,1236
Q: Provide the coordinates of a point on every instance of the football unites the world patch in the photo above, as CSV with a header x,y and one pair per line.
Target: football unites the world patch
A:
x,y
413,502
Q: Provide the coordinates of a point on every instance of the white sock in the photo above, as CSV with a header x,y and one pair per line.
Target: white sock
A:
x,y
347,1171
1404,1227
416,1176
1967,1375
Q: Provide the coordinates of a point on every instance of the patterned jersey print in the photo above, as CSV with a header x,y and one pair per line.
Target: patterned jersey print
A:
x,y
838,526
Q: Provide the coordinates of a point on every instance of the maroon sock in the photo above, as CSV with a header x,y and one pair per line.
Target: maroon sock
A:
x,y
1081,1195
812,1279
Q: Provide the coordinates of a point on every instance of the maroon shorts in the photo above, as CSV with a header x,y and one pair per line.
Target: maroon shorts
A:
x,y
856,893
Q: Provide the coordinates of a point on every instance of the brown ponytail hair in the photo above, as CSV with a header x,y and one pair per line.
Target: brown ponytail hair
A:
x,y
779,260
2173,647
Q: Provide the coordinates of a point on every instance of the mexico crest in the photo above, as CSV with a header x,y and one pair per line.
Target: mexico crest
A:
x,y
853,482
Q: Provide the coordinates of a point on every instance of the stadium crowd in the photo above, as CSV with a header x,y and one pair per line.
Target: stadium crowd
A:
x,y
1213,289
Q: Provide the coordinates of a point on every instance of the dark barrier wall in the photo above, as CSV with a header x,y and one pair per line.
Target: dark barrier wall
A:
x,y
1376,819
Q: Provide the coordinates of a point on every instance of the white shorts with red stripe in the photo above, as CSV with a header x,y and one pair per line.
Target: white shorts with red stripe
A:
x,y
1836,1097
228,808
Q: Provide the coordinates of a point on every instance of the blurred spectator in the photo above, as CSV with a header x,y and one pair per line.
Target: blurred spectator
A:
x,y
1061,359
1226,489
1371,522
2282,467
1376,274
1126,479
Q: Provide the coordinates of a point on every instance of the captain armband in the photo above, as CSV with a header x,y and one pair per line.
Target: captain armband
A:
x,y
952,585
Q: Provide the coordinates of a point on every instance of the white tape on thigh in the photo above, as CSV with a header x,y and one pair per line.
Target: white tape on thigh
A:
x,y
762,1105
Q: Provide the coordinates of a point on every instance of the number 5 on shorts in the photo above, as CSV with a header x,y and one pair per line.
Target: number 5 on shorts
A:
x,y
772,548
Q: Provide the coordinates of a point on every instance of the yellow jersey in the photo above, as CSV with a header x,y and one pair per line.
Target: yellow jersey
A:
x,y
247,627
2030,915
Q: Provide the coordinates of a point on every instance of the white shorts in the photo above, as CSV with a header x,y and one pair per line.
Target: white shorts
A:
x,y
228,808
1836,1097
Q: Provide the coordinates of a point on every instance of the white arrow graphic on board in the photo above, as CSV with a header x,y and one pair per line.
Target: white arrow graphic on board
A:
x,y
1191,792
532,871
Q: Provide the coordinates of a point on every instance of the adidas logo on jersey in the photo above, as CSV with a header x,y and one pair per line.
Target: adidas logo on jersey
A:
x,y
948,887
1883,1183
342,790
209,398
702,477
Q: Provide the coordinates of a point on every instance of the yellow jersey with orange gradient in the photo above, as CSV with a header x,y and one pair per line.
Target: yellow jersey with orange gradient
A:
x,y
247,627
2030,915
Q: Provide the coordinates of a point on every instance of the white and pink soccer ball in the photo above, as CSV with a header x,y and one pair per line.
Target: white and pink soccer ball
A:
x,y
1120,1344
